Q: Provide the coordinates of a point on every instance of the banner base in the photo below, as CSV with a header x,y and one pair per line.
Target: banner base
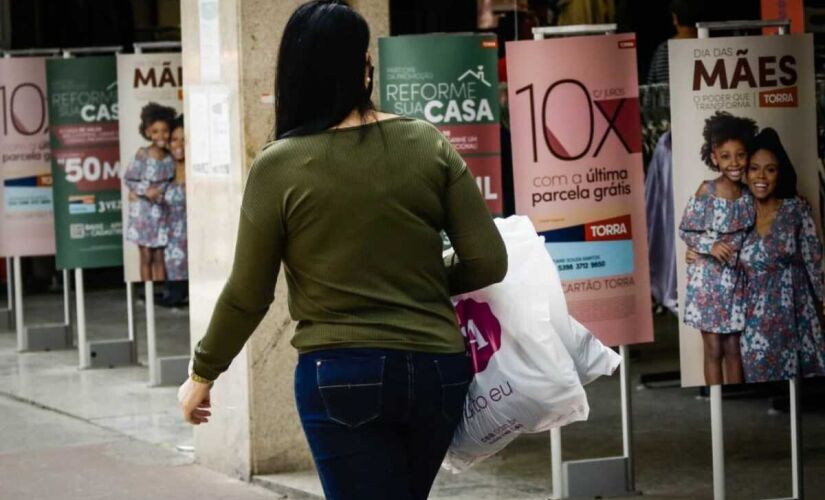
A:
x,y
7,318
109,353
171,371
601,477
47,337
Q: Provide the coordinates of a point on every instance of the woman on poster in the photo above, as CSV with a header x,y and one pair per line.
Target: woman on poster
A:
x,y
147,177
715,222
782,262
175,253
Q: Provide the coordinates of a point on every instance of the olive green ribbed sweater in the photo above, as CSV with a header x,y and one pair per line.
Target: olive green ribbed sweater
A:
x,y
355,215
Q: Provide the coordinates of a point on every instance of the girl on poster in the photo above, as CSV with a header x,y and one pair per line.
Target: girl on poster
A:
x,y
782,262
715,222
147,177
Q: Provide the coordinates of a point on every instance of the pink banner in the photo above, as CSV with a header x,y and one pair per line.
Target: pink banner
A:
x,y
26,218
577,172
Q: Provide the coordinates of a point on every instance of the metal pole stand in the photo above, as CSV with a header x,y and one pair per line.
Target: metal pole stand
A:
x,y
797,470
716,420
8,311
163,370
575,30
600,477
116,49
31,52
49,336
717,437
142,47
97,353
40,337
704,29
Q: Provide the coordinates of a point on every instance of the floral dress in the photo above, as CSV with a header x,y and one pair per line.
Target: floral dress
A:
x,y
177,264
715,294
783,331
145,221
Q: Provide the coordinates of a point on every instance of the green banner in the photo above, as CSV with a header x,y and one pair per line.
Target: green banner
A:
x,y
83,112
452,82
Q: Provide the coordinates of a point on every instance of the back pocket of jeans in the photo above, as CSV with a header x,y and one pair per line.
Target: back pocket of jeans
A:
x,y
455,376
351,388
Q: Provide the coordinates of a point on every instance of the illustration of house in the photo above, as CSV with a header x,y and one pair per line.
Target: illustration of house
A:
x,y
479,75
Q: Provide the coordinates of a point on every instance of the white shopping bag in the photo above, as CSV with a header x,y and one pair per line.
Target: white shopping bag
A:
x,y
529,356
591,358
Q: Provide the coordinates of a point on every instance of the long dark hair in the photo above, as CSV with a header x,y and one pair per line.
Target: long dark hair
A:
x,y
321,67
768,140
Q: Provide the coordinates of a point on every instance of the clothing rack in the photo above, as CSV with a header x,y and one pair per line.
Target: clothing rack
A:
x,y
654,103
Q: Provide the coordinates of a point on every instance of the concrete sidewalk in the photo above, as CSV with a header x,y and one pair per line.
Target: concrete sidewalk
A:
x,y
69,433
45,455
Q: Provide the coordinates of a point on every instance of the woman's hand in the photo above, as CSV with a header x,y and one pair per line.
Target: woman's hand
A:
x,y
133,197
722,252
691,256
194,401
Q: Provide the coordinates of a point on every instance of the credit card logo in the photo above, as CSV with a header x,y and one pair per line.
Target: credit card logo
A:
x,y
82,204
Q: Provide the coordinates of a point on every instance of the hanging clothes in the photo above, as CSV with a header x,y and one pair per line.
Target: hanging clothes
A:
x,y
573,12
654,101
660,224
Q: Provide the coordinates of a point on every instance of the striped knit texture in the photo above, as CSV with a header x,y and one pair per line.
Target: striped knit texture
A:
x,y
355,216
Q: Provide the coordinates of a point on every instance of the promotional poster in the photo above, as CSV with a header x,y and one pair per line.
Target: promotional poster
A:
x,y
83,113
150,94
457,91
578,175
793,10
748,247
26,220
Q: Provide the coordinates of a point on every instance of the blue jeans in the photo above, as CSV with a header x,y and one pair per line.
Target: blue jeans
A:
x,y
379,422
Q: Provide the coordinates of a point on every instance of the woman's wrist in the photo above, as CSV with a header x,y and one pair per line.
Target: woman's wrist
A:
x,y
201,380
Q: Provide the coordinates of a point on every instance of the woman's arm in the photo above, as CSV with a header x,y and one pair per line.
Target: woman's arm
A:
x,y
810,247
482,257
251,286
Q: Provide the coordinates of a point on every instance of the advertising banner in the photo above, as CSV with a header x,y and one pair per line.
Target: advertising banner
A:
x,y
452,82
150,93
26,220
83,112
578,175
748,252
793,10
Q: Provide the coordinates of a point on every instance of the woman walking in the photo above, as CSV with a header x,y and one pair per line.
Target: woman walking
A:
x,y
353,202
